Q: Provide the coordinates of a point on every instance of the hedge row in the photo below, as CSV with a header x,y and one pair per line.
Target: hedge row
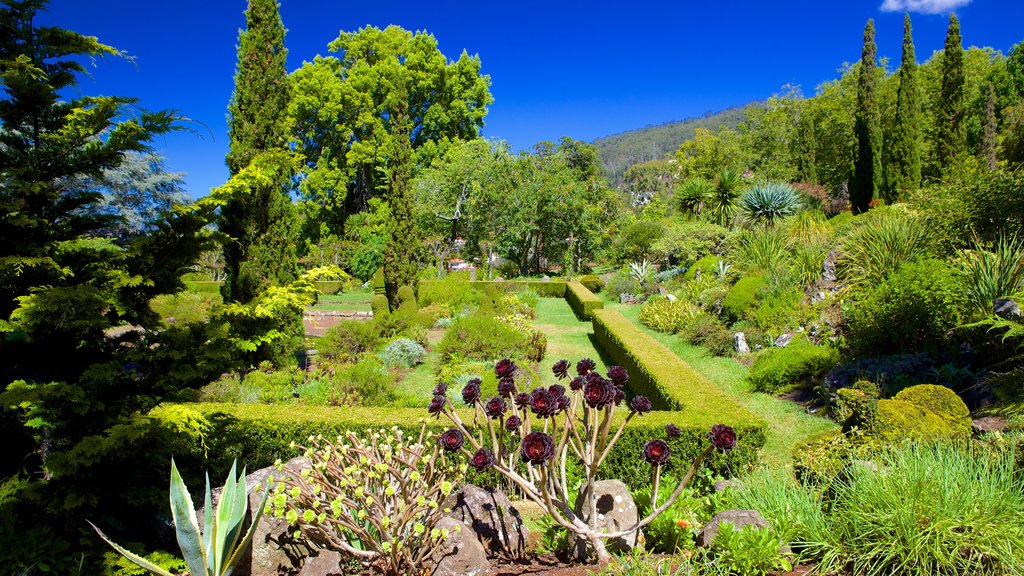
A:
x,y
658,373
582,300
259,434
545,289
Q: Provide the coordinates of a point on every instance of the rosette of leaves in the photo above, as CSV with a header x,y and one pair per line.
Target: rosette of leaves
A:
x,y
377,498
768,202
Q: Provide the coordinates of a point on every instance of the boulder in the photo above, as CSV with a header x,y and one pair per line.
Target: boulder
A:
x,y
738,518
723,485
988,424
492,517
783,340
1006,308
671,297
739,342
616,511
462,554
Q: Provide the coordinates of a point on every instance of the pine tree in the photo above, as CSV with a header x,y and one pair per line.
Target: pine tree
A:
x,y
261,219
402,253
949,133
867,169
903,154
988,142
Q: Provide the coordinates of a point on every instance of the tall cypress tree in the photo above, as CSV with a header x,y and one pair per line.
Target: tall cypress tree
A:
x,y
949,133
903,154
867,166
261,219
806,148
988,142
402,252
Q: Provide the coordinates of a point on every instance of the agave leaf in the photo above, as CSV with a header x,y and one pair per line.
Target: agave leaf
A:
x,y
185,525
236,555
145,564
222,519
208,517
238,510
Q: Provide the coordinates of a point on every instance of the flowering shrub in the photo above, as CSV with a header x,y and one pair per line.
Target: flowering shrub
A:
x,y
577,420
376,498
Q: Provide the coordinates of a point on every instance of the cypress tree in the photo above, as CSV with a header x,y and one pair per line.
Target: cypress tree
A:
x,y
806,148
903,167
260,220
949,134
988,142
867,169
402,253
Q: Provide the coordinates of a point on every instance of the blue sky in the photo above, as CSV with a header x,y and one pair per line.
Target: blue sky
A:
x,y
581,69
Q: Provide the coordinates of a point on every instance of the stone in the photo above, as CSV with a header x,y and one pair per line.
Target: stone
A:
x,y
462,554
671,297
738,518
472,274
326,563
988,424
828,269
783,340
616,511
739,342
492,517
1006,308
626,298
545,278
723,485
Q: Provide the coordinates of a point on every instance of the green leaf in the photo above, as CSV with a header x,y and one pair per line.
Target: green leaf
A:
x,y
146,564
185,525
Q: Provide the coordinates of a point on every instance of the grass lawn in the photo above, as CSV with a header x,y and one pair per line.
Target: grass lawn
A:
x,y
345,301
568,338
788,423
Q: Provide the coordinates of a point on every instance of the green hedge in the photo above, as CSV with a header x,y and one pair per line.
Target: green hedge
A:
x,y
330,286
259,434
203,286
582,300
661,375
548,289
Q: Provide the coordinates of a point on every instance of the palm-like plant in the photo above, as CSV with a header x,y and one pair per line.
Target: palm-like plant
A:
x,y
722,202
763,250
880,245
994,271
768,202
693,194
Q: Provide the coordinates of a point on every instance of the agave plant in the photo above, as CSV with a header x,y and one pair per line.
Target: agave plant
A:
x,y
692,194
768,202
722,269
218,550
641,270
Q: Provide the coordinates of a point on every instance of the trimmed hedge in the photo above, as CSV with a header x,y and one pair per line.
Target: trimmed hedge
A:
x,y
258,435
582,300
330,286
549,289
203,286
661,375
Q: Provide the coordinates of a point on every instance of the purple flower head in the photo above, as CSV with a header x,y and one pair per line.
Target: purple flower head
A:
x,y
599,393
561,369
584,366
506,387
543,403
722,437
437,404
537,448
556,389
482,459
504,368
619,395
640,404
523,399
512,423
656,452
618,375
471,392
672,431
577,383
441,389
451,439
563,403
594,376
495,407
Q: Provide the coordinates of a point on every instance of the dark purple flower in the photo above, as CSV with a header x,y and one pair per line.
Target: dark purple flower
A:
x,y
504,368
495,407
561,369
577,383
619,395
482,459
513,422
471,392
556,389
656,452
594,376
543,403
618,375
437,404
563,403
441,389
451,440
537,448
523,399
599,393
723,437
640,404
506,387
585,365
672,431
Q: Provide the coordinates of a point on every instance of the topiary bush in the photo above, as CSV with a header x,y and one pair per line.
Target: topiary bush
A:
x,y
582,301
379,305
407,304
741,297
402,353
593,283
799,365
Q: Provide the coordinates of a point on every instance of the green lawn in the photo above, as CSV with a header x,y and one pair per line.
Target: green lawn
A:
x,y
788,423
352,300
568,338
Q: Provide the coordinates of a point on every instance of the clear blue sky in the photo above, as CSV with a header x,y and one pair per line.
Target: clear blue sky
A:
x,y
581,69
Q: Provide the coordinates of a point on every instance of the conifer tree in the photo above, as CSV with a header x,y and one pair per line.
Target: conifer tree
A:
x,y
867,169
949,133
903,154
807,147
260,219
402,252
988,142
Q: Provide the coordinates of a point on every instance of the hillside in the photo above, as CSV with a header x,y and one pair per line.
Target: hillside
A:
x,y
620,151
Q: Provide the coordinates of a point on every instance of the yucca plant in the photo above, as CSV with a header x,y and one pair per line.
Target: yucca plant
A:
x,y
217,551
763,250
722,201
692,194
880,245
769,202
993,271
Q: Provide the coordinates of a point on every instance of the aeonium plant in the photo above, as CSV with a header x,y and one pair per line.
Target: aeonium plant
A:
x,y
539,428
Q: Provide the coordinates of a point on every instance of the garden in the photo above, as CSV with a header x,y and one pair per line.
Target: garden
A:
x,y
791,346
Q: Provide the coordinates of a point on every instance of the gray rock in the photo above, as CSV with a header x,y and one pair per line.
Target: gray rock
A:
x,y
1006,308
627,299
492,517
989,424
866,465
739,342
462,554
545,278
616,511
738,518
671,297
828,269
732,484
783,340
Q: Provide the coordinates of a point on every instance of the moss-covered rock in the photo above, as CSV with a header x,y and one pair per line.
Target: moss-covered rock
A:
x,y
941,401
741,297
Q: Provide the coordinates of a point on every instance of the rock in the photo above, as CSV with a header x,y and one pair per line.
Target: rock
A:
x,y
671,297
626,299
326,563
492,517
616,511
738,518
866,465
732,484
739,342
1006,308
545,278
988,424
462,554
828,269
783,340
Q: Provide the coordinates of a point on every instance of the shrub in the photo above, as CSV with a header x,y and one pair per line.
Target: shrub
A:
x,y
890,373
620,283
592,283
912,310
406,301
798,365
669,316
749,551
402,353
429,315
768,202
793,511
896,420
634,241
582,300
706,265
688,241
535,343
482,337
184,307
942,402
995,271
368,380
454,292
880,243
819,460
778,309
349,340
741,297
711,334
763,250
379,306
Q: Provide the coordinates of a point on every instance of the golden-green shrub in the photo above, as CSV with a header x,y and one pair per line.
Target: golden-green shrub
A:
x,y
669,316
582,301
941,401
741,297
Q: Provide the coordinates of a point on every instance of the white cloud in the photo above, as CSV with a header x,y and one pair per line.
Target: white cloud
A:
x,y
923,6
